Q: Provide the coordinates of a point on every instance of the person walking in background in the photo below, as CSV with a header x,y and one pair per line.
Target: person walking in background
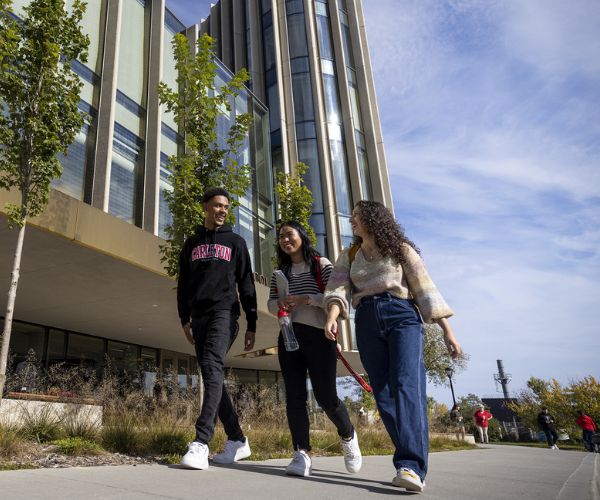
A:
x,y
383,277
459,422
588,427
307,274
481,418
212,262
546,422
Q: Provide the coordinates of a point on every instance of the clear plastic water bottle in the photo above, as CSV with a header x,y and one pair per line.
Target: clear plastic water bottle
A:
x,y
287,331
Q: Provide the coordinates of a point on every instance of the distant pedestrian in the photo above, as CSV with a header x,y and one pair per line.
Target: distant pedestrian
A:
x,y
459,422
546,422
481,419
588,427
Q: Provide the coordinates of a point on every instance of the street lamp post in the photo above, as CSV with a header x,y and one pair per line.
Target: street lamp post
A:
x,y
449,371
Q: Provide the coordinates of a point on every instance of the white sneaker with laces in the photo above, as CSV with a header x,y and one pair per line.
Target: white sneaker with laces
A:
x,y
196,456
300,465
352,455
408,478
233,451
556,447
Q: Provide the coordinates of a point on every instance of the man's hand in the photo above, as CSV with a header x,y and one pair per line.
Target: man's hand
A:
x,y
249,340
187,329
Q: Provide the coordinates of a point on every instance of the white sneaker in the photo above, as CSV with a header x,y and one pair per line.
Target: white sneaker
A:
x,y
408,478
300,465
352,455
233,451
196,456
555,447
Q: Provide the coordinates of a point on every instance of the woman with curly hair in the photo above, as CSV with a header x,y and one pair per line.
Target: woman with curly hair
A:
x,y
383,277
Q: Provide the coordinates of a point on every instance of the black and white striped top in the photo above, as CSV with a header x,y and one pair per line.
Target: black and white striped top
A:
x,y
303,282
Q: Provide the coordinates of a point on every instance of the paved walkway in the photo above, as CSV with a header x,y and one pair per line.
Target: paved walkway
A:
x,y
493,472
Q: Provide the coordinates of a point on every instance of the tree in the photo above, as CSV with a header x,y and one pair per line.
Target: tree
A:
x,y
437,358
561,401
196,105
295,199
39,96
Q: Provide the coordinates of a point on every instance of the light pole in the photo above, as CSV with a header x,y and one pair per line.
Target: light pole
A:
x,y
449,371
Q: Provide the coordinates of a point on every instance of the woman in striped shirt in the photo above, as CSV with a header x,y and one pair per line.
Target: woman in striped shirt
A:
x,y
307,273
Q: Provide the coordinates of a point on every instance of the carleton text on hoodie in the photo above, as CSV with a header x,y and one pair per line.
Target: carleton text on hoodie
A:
x,y
211,264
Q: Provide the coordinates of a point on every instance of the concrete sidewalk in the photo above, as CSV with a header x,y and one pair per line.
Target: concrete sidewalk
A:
x,y
493,472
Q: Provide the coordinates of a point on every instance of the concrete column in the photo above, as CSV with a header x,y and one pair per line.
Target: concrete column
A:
x,y
368,105
215,28
256,52
329,204
289,149
344,90
226,35
153,119
238,21
106,106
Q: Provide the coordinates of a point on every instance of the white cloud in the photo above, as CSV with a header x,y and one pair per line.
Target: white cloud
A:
x,y
491,120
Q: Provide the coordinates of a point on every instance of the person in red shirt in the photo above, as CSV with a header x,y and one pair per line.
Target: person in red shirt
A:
x,y
588,427
481,418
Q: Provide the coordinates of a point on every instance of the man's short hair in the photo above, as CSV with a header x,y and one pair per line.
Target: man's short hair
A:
x,y
210,193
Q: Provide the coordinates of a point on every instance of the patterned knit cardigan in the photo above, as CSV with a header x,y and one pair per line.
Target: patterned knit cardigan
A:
x,y
364,278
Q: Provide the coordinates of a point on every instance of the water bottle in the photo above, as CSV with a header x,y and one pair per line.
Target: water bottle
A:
x,y
287,331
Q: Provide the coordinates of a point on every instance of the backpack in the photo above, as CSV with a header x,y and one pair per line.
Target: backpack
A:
x,y
319,276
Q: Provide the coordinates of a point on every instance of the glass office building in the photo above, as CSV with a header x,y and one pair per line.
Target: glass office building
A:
x,y
102,290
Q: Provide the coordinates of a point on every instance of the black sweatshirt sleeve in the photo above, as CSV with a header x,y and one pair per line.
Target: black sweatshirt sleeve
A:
x,y
246,288
183,287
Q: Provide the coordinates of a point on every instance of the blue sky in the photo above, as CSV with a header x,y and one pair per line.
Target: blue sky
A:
x,y
491,120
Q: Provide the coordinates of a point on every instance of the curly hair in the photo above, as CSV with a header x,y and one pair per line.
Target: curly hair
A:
x,y
389,236
309,254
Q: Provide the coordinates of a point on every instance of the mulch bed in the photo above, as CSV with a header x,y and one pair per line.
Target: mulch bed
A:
x,y
39,456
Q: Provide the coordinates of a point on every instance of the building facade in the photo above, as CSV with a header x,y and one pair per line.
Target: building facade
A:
x,y
92,283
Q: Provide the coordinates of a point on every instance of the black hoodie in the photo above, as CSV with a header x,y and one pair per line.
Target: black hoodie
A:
x,y
210,265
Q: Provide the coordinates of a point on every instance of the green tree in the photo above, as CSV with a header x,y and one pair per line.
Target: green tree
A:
x,y
294,198
437,358
196,105
39,96
562,401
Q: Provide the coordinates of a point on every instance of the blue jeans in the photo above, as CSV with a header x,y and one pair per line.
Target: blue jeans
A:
x,y
389,334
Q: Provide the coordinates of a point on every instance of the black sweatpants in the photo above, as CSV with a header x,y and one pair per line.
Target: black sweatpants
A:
x,y
551,435
213,335
317,356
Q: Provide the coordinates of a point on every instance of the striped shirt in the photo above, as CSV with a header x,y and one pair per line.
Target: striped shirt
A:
x,y
303,282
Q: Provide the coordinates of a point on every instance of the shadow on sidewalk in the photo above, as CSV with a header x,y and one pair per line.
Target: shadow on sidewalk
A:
x,y
318,475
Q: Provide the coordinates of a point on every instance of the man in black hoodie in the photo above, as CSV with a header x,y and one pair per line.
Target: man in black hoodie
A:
x,y
546,422
212,262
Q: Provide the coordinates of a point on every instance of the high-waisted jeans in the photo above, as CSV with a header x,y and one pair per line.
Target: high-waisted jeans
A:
x,y
389,334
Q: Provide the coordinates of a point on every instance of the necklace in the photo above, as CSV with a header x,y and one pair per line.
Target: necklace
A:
x,y
371,255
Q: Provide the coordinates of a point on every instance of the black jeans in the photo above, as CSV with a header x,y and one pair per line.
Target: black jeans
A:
x,y
551,435
213,335
317,355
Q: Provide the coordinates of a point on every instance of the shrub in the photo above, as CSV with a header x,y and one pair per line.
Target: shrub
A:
x,y
121,433
78,446
41,424
11,443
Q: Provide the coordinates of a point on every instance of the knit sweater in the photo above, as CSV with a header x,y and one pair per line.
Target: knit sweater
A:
x,y
364,278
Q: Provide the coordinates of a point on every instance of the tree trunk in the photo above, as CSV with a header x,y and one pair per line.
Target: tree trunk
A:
x,y
10,307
